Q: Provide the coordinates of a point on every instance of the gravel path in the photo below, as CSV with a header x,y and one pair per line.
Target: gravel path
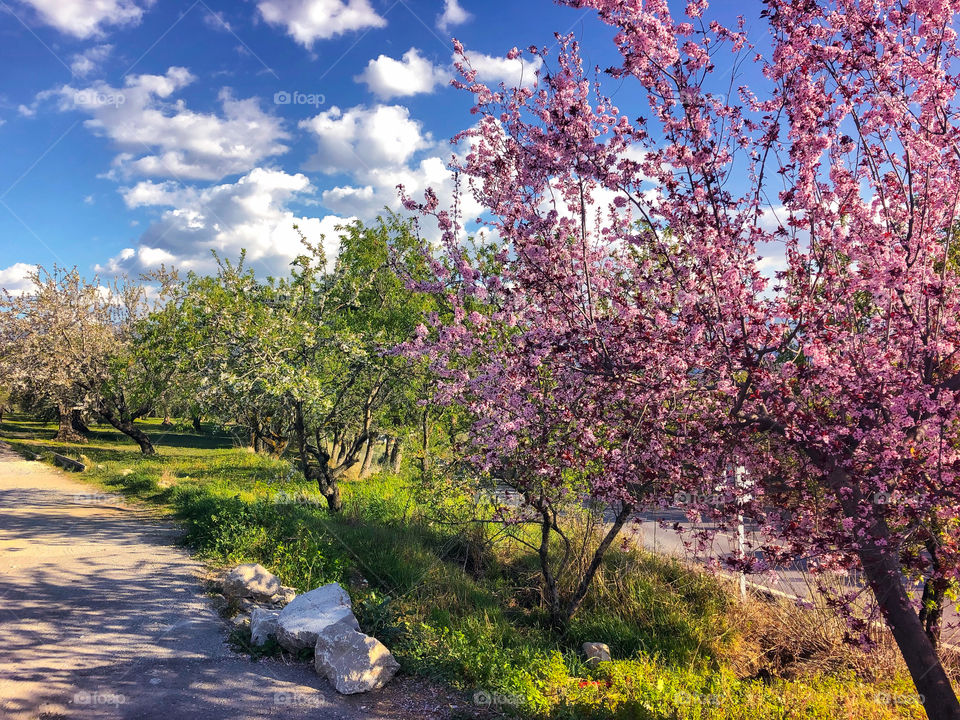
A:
x,y
102,616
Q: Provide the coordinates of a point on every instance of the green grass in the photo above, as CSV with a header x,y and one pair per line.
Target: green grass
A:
x,y
671,629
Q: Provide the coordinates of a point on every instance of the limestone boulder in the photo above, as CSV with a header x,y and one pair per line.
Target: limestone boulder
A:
x,y
251,581
596,653
284,597
263,625
351,661
306,615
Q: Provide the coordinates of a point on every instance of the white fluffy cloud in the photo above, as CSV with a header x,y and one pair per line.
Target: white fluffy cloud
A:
x,y
452,15
250,214
412,74
377,189
512,73
87,18
90,60
772,256
363,139
377,149
14,279
161,137
307,21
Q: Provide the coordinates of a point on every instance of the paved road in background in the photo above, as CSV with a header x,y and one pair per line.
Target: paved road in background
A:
x,y
792,581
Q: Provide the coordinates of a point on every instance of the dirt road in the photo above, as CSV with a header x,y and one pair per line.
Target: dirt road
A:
x,y
102,616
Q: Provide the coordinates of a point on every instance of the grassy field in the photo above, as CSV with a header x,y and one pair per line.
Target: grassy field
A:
x,y
455,607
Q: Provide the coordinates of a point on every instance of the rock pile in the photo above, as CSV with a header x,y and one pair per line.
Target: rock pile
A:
x,y
321,620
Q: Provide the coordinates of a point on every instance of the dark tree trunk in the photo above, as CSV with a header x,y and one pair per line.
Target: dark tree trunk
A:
x,y
125,423
336,444
562,609
550,591
931,610
341,458
78,424
387,449
197,421
256,432
331,491
425,441
367,458
881,567
67,432
315,463
884,574
581,592
882,570
131,430
931,604
396,455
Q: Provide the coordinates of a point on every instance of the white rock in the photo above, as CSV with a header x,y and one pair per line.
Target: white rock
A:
x,y
284,597
596,653
308,614
351,661
263,625
251,581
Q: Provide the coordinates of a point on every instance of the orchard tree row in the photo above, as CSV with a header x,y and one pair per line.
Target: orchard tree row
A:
x,y
300,364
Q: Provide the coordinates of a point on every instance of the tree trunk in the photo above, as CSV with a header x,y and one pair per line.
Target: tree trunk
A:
x,y
367,458
67,432
197,421
332,493
931,609
882,570
146,446
387,449
931,604
125,424
78,424
396,455
551,593
336,444
319,470
581,592
425,440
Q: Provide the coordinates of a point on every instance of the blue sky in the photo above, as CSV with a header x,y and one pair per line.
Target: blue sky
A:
x,y
136,132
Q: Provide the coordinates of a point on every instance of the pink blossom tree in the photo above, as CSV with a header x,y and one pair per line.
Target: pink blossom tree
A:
x,y
568,367
628,335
